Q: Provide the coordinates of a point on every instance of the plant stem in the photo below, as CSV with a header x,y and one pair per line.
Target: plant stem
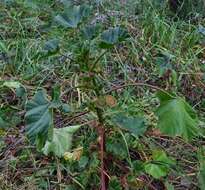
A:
x,y
97,60
138,84
102,147
99,112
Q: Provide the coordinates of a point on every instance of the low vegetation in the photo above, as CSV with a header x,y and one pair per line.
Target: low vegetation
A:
x,y
102,94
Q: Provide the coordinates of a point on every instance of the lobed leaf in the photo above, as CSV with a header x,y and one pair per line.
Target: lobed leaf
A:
x,y
72,16
160,164
135,125
39,118
61,141
111,37
176,117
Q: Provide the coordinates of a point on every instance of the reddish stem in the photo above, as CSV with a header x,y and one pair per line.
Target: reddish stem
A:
x,y
102,149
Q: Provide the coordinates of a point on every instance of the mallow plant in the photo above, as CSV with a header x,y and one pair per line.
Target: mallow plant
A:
x,y
175,116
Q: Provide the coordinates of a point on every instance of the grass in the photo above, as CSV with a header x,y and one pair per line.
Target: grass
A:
x,y
165,50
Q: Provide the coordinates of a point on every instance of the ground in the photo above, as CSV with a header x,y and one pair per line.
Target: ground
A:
x,y
164,51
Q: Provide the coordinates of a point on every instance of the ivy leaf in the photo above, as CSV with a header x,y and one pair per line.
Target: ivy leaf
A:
x,y
72,16
159,167
39,118
113,36
176,117
61,141
135,125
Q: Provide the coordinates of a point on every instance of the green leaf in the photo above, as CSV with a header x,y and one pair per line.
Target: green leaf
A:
x,y
201,178
201,175
169,186
113,36
8,117
135,125
56,95
155,170
51,48
83,161
160,164
39,118
114,184
163,64
159,155
66,3
3,47
90,32
116,148
163,97
61,142
176,117
12,84
66,108
72,16
21,92
201,30
51,45
3,124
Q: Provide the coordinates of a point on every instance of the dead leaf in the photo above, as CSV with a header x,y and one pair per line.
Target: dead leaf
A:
x,y
110,101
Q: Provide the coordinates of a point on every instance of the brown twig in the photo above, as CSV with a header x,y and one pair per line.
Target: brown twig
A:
x,y
70,119
137,84
101,131
102,149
